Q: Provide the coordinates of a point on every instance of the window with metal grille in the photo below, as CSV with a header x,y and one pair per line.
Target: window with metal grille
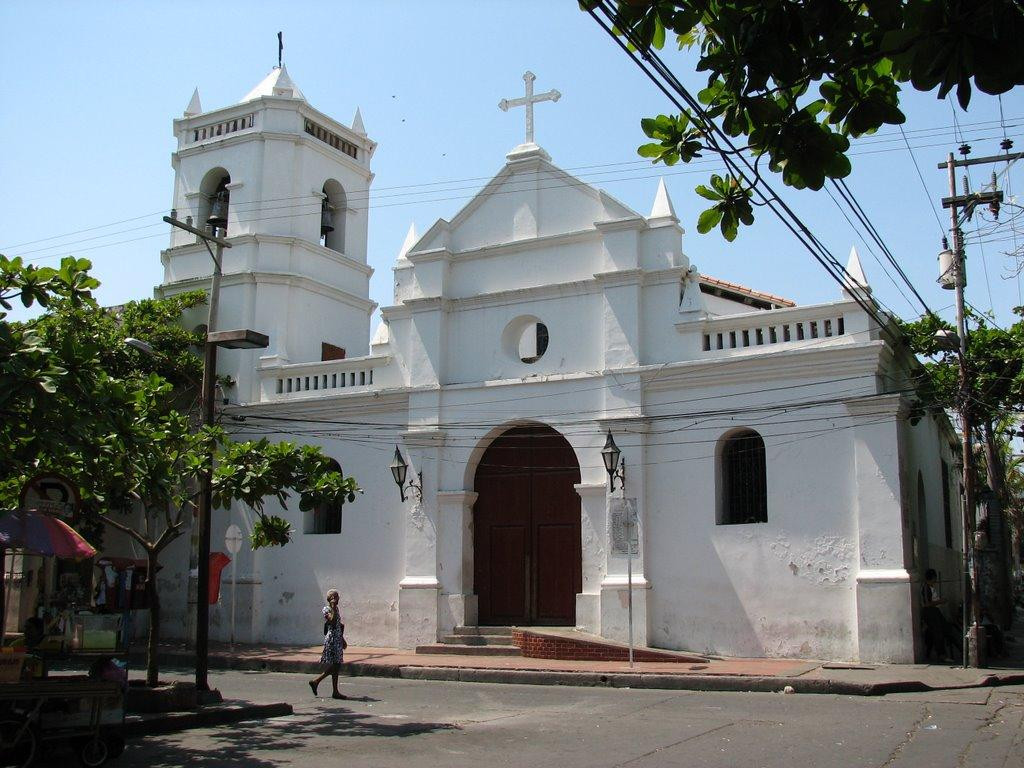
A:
x,y
744,484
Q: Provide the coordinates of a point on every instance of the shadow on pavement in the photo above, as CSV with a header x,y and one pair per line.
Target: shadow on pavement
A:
x,y
250,744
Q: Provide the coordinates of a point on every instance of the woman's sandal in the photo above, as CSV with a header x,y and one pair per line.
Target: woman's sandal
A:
x,y
337,695
313,685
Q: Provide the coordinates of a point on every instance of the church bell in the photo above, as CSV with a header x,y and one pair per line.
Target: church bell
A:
x,y
326,218
218,218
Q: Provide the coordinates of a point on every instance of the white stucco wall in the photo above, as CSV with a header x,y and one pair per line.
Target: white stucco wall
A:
x,y
635,347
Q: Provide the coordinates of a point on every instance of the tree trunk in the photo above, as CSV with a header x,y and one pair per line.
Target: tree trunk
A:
x,y
153,643
1000,603
3,592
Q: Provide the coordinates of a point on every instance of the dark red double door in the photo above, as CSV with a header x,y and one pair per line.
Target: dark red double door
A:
x,y
527,557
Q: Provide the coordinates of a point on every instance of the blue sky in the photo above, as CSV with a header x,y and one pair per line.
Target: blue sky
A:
x,y
90,90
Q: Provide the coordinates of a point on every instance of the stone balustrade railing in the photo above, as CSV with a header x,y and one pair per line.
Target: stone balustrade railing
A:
x,y
796,326
304,380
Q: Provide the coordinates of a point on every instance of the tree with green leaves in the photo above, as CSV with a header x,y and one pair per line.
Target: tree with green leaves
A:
x,y
995,371
793,82
123,425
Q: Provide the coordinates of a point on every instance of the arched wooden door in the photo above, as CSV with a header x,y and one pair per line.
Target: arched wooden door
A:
x,y
526,530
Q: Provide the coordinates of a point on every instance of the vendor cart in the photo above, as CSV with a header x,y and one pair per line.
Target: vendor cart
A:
x,y
82,712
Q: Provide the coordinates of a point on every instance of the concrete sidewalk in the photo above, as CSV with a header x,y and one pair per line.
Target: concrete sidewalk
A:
x,y
763,675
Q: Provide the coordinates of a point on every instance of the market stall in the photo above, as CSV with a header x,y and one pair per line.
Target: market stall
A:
x,y
85,711
28,533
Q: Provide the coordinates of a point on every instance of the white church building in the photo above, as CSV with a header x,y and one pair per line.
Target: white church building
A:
x,y
787,505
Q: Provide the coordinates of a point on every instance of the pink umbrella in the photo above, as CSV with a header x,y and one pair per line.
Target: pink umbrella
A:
x,y
41,534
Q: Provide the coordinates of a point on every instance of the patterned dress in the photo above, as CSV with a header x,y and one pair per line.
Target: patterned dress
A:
x,y
333,653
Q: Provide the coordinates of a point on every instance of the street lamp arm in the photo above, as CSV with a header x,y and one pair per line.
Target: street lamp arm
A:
x,y
206,236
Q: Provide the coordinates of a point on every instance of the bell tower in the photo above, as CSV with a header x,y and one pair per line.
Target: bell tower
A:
x,y
288,187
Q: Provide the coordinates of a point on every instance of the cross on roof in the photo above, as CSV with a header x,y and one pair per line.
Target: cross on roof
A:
x,y
528,101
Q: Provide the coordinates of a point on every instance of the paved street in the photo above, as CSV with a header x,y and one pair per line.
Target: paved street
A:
x,y
427,724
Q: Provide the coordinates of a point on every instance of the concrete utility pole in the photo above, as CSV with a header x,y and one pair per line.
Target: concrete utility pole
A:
x,y
209,388
973,649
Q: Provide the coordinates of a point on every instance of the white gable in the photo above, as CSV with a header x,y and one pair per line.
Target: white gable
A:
x,y
528,198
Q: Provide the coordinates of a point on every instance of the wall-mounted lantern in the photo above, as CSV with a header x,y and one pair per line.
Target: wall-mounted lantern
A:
x,y
611,456
399,471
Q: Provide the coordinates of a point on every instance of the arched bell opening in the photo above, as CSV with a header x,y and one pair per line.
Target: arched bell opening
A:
x,y
527,551
332,216
215,202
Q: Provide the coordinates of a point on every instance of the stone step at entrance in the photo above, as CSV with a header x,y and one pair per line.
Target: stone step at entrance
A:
x,y
506,631
480,640
475,641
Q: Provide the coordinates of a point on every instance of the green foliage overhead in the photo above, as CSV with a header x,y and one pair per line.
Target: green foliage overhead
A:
x,y
797,80
995,365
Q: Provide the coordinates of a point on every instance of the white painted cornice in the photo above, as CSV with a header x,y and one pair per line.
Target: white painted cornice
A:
x,y
813,363
429,304
428,256
424,437
325,366
632,423
768,317
290,240
621,225
620,277
457,498
361,140
257,134
544,292
661,276
395,312
521,246
328,402
895,404
584,490
270,278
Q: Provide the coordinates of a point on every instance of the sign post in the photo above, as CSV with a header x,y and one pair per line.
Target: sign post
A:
x,y
233,544
626,543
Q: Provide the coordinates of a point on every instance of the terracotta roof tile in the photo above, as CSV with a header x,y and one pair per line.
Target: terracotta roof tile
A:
x,y
742,289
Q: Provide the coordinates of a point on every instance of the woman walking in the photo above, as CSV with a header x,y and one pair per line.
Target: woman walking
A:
x,y
334,645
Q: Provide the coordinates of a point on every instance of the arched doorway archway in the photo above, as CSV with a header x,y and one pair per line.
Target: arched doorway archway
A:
x,y
526,530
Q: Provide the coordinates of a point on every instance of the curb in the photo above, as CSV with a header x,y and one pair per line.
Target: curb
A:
x,y
135,725
688,682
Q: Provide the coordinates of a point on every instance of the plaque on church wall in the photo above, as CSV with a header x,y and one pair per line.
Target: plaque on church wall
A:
x,y
624,528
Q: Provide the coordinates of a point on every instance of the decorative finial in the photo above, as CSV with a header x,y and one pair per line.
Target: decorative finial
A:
x,y
280,48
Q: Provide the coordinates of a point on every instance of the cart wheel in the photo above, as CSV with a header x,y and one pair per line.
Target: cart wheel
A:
x,y
93,752
17,743
115,745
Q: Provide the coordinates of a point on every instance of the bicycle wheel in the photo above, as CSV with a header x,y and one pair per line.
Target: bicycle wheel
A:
x,y
18,743
93,752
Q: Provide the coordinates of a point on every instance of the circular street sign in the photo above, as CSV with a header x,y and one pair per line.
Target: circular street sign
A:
x,y
50,493
233,539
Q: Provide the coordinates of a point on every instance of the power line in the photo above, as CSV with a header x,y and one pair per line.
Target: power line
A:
x,y
247,205
847,194
881,266
714,135
924,186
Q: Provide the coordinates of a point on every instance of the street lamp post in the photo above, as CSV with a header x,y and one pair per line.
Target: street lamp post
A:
x,y
235,339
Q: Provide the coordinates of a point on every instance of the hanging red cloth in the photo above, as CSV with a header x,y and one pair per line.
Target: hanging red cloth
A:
x,y
218,560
